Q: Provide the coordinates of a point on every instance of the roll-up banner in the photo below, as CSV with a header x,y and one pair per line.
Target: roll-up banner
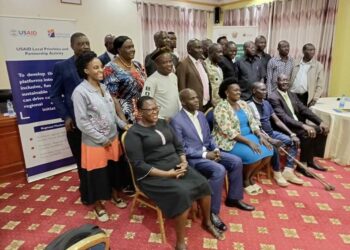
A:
x,y
31,48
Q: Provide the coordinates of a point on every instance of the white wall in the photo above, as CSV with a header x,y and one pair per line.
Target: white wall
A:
x,y
95,18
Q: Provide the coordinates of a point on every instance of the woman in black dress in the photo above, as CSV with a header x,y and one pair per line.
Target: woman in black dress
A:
x,y
162,172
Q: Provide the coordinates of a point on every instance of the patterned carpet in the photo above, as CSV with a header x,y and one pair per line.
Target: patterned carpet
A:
x,y
306,217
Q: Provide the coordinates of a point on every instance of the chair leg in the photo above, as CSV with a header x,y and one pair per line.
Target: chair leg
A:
x,y
161,225
226,184
133,204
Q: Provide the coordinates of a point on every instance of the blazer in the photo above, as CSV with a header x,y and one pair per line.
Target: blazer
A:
x,y
228,67
315,79
65,79
215,80
188,77
283,112
104,58
227,127
188,136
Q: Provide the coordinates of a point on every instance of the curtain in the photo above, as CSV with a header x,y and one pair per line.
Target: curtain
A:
x,y
185,22
297,21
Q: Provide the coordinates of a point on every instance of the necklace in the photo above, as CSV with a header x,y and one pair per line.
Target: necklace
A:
x,y
124,63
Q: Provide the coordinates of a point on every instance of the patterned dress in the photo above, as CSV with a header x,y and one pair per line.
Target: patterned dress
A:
x,y
125,85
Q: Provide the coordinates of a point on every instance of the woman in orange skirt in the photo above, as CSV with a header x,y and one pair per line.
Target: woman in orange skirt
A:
x,y
96,118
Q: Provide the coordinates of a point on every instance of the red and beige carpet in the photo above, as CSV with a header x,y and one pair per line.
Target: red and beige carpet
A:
x,y
297,217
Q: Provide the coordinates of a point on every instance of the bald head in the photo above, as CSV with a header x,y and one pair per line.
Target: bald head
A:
x,y
260,43
194,48
283,48
249,49
189,100
257,85
109,43
161,39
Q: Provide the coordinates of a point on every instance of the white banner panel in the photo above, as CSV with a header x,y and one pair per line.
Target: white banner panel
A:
x,y
237,34
32,46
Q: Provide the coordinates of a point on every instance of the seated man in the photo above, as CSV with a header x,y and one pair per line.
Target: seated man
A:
x,y
264,113
293,113
202,154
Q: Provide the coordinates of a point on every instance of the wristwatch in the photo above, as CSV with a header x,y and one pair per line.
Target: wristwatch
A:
x,y
293,135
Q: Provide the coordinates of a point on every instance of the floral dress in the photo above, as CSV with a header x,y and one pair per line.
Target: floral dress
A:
x,y
126,86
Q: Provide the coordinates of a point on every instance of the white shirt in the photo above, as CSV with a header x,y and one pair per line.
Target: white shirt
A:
x,y
288,102
197,125
165,91
111,56
204,78
300,83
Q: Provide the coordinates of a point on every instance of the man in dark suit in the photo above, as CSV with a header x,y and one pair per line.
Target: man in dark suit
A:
x,y
110,53
162,41
226,63
294,114
192,129
65,79
260,43
249,70
191,74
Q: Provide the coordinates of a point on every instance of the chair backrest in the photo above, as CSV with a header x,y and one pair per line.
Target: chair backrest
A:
x,y
95,242
130,166
79,234
209,114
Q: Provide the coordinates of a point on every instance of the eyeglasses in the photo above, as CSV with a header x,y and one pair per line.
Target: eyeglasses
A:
x,y
156,109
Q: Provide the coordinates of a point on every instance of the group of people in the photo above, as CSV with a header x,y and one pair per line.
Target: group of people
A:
x,y
177,156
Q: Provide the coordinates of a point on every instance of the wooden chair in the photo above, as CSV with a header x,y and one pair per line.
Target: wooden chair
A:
x,y
100,239
141,197
209,114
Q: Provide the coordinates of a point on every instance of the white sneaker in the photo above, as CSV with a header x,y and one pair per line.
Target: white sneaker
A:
x,y
289,175
279,179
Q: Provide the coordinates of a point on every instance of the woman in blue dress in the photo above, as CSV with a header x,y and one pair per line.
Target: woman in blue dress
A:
x,y
237,132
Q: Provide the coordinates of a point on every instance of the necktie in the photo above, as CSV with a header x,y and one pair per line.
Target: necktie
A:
x,y
289,104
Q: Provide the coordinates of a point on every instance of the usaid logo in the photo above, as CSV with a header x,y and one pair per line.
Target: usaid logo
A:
x,y
51,32
23,33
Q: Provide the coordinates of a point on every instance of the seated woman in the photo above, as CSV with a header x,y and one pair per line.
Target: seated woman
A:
x,y
96,118
161,170
237,132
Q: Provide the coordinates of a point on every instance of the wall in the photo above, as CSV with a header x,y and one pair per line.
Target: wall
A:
x,y
340,80
95,18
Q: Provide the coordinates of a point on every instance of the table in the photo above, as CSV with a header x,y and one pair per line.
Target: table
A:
x,y
11,155
338,141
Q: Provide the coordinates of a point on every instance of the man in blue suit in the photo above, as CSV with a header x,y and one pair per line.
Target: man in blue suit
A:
x,y
65,79
110,53
202,153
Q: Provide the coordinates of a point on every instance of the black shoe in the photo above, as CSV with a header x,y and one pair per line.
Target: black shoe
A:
x,y
217,222
315,166
239,204
303,172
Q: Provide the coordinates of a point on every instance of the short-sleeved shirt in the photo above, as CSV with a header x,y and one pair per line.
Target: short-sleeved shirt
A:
x,y
165,91
265,110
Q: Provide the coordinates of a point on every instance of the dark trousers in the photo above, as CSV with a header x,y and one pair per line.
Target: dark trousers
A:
x,y
74,141
310,147
216,171
303,98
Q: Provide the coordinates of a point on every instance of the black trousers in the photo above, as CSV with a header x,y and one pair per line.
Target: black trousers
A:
x,y
311,147
74,141
303,97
